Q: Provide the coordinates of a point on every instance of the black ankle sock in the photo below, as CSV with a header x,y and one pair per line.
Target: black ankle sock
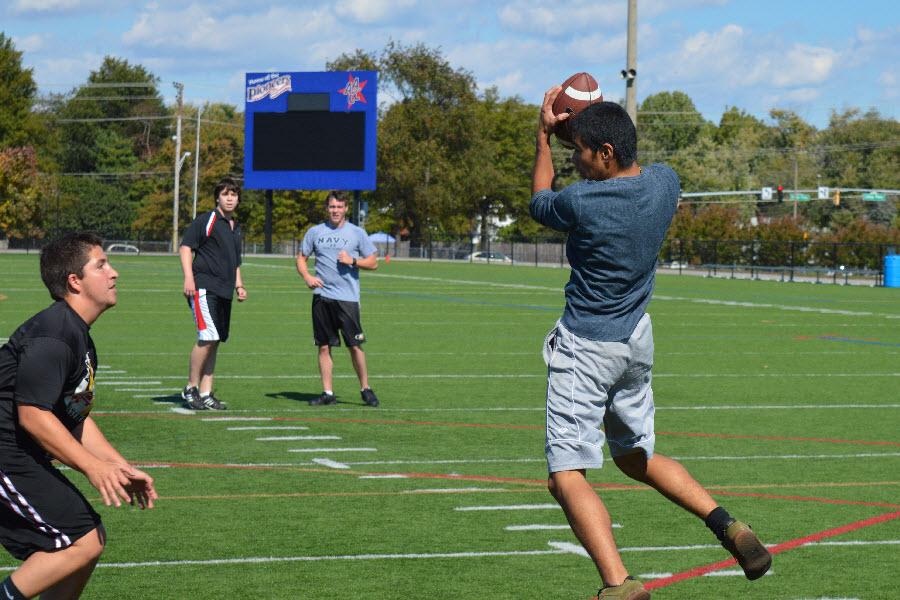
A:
x,y
718,521
11,590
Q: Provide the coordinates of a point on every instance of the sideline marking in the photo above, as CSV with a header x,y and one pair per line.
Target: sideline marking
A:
x,y
776,549
218,419
294,438
327,462
333,450
510,507
182,411
386,476
570,548
538,527
266,428
832,338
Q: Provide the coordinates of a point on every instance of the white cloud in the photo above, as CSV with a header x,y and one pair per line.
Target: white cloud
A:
x,y
536,17
51,6
29,43
196,29
735,58
371,11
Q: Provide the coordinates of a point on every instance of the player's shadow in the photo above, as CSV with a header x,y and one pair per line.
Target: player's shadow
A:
x,y
174,399
298,396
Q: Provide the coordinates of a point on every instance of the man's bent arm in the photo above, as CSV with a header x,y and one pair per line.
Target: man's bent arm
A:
x,y
50,433
370,263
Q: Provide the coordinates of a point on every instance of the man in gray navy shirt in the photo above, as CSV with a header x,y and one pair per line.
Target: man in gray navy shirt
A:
x,y
341,250
600,354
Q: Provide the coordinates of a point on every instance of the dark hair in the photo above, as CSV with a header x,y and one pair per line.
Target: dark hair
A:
x,y
607,123
226,184
65,256
338,195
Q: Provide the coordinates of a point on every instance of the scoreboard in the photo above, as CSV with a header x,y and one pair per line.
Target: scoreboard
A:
x,y
310,131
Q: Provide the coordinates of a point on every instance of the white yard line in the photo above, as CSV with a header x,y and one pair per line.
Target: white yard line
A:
x,y
509,507
332,464
294,438
267,428
326,450
539,527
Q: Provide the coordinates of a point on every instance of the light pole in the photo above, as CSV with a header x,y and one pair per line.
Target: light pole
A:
x,y
178,164
179,99
629,73
197,162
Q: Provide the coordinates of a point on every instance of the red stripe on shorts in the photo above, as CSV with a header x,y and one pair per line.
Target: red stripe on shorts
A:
x,y
198,314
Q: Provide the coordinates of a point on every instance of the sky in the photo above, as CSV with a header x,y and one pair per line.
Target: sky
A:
x,y
810,57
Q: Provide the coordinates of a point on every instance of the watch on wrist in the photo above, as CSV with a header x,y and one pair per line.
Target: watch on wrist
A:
x,y
354,263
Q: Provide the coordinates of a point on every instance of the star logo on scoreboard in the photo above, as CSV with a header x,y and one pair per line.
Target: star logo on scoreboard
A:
x,y
353,90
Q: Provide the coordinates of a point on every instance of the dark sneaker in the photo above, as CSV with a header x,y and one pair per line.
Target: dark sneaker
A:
x,y
323,399
191,396
630,589
750,553
369,397
210,402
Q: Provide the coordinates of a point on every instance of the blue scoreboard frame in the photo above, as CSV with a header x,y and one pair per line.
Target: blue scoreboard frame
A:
x,y
304,131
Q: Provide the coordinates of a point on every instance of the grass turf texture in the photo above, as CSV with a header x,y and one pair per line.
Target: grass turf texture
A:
x,y
792,388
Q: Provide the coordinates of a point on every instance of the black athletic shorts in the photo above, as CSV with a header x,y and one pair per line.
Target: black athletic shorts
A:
x,y
40,509
212,316
330,316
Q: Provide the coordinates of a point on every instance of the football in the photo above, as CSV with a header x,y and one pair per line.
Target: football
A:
x,y
578,92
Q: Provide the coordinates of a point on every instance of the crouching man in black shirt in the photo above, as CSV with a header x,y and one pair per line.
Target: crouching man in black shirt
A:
x,y
47,373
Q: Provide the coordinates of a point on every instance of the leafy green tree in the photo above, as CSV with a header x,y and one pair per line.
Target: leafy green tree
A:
x,y
116,90
88,203
669,121
426,141
18,126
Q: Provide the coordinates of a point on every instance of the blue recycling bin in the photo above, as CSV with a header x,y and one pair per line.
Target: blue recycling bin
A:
x,y
892,271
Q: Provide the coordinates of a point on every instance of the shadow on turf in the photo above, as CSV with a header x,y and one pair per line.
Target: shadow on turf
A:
x,y
304,397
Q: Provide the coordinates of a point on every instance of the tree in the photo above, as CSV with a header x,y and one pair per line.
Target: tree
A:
x,y
669,121
116,90
21,194
18,126
426,141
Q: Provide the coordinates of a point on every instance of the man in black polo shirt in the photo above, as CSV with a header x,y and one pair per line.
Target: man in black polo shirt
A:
x,y
211,276
47,373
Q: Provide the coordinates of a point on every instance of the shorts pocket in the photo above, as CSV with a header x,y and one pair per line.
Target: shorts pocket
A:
x,y
550,344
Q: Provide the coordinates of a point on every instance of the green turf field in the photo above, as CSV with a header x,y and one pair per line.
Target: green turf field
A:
x,y
784,399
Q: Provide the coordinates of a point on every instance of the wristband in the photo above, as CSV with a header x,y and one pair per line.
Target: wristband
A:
x,y
354,263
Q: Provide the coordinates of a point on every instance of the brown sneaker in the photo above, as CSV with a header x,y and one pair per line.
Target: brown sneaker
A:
x,y
630,589
750,553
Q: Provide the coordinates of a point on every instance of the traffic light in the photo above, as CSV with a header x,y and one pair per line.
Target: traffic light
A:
x,y
780,190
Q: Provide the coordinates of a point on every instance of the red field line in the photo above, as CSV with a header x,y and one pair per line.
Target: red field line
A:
x,y
727,436
776,438
777,549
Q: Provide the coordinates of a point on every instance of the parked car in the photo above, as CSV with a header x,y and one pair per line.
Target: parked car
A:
x,y
498,257
122,249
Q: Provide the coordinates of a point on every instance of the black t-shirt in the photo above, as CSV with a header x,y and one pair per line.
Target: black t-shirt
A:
x,y
49,362
217,249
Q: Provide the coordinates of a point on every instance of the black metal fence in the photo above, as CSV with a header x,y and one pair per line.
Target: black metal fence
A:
x,y
822,262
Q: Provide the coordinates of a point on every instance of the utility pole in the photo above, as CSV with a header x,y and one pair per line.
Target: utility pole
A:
x,y
197,162
630,72
796,186
179,102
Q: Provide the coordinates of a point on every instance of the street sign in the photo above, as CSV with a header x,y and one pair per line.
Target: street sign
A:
x,y
824,192
874,197
799,197
766,193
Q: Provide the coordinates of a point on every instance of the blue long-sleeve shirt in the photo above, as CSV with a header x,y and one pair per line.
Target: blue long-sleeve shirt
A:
x,y
615,231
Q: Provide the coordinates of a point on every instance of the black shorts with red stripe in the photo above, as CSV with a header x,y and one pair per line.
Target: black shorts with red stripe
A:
x,y
212,316
40,509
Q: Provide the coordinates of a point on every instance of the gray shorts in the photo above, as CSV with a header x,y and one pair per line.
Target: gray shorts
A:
x,y
591,383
